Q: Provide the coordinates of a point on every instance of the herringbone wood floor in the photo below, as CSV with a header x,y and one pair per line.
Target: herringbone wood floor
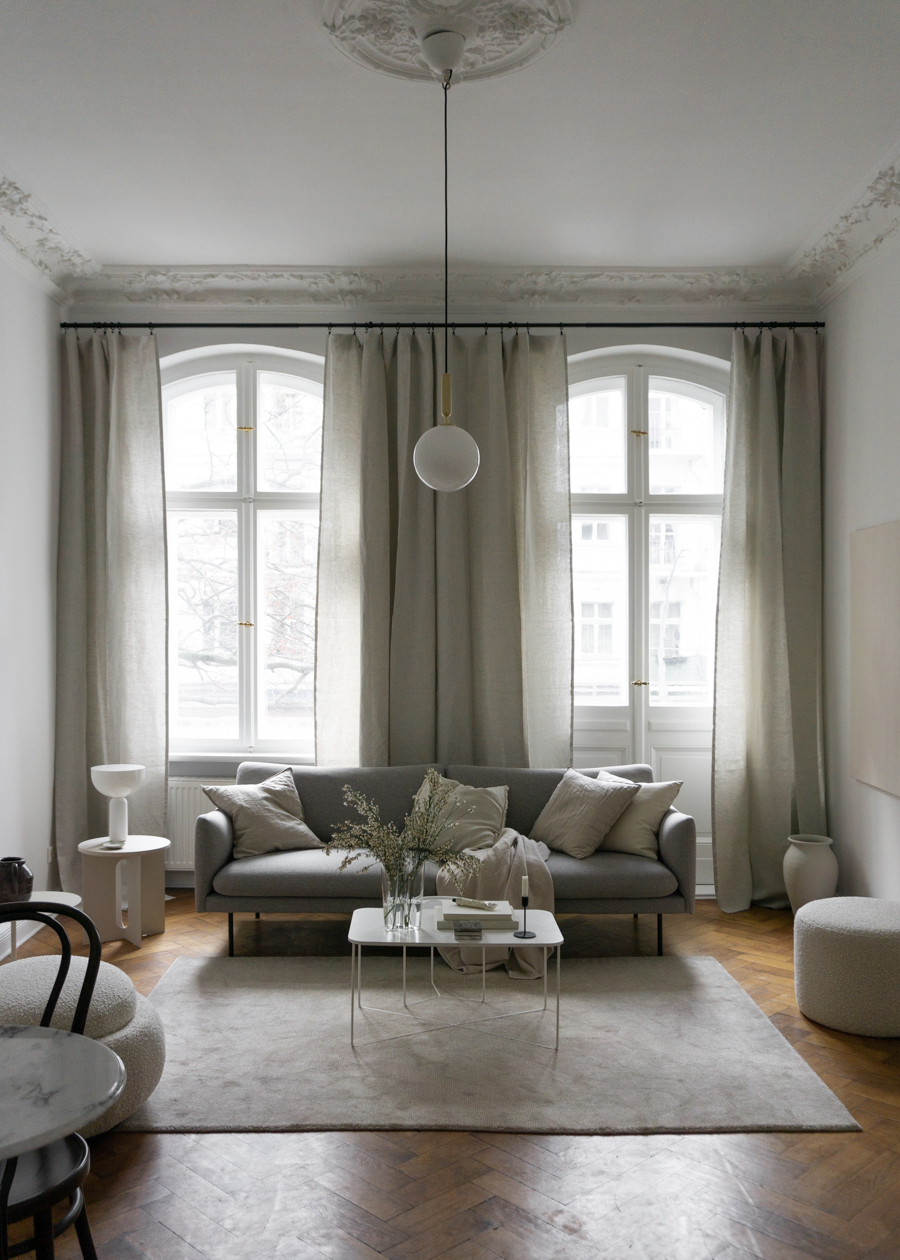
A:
x,y
480,1196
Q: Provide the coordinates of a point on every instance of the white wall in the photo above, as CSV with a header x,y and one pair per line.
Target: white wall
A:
x,y
29,350
862,487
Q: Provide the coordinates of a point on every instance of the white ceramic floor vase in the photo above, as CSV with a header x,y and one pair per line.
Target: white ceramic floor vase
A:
x,y
810,870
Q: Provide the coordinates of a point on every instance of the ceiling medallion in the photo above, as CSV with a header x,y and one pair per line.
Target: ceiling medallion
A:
x,y
501,35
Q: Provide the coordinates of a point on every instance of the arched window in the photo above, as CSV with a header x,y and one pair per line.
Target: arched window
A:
x,y
243,442
647,438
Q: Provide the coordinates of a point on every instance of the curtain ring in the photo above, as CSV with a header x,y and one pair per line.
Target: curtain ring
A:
x,y
150,326
485,330
329,330
561,333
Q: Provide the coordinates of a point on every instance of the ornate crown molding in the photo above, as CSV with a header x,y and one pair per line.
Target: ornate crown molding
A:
x,y
819,271
421,289
870,221
501,35
35,240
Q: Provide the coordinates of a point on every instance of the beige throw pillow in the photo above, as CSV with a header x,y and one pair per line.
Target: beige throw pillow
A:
x,y
478,815
265,816
635,831
580,813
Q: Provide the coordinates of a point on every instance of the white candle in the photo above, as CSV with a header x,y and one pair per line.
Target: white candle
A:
x,y
524,885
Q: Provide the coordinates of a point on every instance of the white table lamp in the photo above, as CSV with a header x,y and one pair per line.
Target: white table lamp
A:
x,y
117,782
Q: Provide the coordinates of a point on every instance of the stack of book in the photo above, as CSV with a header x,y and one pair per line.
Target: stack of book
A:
x,y
467,930
487,916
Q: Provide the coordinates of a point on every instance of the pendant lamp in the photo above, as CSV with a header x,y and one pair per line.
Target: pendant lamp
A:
x,y
446,457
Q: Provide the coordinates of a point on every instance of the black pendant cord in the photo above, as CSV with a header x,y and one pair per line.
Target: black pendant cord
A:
x,y
446,86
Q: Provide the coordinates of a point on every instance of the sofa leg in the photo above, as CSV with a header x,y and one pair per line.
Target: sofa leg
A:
x,y
635,918
230,935
257,914
659,936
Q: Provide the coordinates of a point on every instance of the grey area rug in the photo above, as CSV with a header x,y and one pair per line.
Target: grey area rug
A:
x,y
647,1045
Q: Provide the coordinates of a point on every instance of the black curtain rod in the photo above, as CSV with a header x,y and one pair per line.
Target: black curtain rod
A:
x,y
368,325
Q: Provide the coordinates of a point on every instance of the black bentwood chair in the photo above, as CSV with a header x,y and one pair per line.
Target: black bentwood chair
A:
x,y
33,1183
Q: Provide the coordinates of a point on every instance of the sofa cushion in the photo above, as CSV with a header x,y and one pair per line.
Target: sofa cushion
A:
x,y
636,830
25,986
305,873
472,817
581,811
529,790
609,875
321,789
265,816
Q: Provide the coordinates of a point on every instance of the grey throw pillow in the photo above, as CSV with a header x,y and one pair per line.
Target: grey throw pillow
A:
x,y
580,812
477,815
265,816
635,831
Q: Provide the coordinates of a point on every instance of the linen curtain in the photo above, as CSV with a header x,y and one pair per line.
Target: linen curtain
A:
x,y
768,760
444,620
111,691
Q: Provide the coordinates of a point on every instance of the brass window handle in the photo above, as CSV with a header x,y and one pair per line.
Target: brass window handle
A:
x,y
245,623
245,428
639,432
637,683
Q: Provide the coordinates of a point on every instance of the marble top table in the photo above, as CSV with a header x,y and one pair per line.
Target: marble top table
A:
x,y
52,1082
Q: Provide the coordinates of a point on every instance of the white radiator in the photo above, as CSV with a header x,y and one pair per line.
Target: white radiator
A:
x,y
187,801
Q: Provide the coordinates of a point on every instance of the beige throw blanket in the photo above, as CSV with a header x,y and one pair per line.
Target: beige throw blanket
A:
x,y
500,879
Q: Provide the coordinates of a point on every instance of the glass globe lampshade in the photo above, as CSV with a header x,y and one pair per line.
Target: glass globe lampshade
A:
x,y
446,457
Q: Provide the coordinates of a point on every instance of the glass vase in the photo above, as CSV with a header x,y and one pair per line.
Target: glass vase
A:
x,y
401,893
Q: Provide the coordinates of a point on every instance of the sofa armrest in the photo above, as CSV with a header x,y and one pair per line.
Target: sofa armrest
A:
x,y
678,850
213,847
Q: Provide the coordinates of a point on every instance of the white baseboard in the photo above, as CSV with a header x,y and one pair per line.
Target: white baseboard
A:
x,y
24,932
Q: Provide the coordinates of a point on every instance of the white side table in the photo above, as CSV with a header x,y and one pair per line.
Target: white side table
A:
x,y
58,898
367,928
101,887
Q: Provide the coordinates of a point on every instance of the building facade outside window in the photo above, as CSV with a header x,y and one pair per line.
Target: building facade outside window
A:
x,y
243,440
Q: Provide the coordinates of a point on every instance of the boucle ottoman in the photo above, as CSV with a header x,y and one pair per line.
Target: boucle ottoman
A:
x,y
119,1017
847,964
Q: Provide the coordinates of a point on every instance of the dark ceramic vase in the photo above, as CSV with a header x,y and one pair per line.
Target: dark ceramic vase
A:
x,y
16,880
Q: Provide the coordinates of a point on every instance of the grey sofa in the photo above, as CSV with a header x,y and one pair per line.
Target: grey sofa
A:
x,y
309,880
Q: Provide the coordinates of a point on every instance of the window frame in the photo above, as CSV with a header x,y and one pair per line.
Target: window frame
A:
x,y
246,361
637,364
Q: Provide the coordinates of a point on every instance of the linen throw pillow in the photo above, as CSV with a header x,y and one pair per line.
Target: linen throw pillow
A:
x,y
265,816
581,811
635,831
478,815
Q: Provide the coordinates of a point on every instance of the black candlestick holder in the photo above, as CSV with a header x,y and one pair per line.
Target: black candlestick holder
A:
x,y
525,935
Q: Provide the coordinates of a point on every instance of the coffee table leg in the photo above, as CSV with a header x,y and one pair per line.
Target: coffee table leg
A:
x,y
359,976
558,953
545,977
404,978
483,969
352,994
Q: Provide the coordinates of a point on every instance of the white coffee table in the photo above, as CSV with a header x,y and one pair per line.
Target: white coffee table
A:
x,y
367,928
101,887
57,898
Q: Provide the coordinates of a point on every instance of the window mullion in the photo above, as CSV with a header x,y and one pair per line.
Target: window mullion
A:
x,y
247,634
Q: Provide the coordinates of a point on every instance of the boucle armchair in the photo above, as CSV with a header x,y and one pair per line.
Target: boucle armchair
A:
x,y
118,1016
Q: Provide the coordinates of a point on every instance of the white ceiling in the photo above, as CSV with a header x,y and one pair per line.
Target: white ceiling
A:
x,y
674,133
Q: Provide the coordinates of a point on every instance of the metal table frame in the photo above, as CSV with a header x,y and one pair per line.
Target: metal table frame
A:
x,y
356,1001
